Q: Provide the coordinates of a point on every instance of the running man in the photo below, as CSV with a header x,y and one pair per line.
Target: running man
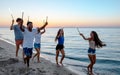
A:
x,y
29,34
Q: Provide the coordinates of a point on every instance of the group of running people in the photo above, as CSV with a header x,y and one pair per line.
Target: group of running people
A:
x,y
29,37
26,36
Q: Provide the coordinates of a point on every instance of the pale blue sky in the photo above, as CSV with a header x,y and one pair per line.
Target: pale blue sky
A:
x,y
64,12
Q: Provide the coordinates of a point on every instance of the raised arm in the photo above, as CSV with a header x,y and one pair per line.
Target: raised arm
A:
x,y
58,35
84,37
22,28
43,31
46,23
11,27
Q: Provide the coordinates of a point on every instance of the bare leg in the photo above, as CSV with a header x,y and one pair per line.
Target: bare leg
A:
x,y
90,58
63,56
34,56
37,54
21,43
17,48
57,54
18,43
93,62
27,59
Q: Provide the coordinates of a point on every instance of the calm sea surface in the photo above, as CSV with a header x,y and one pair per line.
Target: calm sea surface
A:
x,y
108,58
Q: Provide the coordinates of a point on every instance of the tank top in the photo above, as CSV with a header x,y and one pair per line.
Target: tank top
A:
x,y
92,44
61,40
37,38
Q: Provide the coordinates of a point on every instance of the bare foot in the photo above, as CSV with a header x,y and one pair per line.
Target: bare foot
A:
x,y
88,69
91,73
32,59
39,61
58,65
16,55
61,64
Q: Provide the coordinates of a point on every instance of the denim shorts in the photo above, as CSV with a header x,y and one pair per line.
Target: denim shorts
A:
x,y
91,51
37,45
28,51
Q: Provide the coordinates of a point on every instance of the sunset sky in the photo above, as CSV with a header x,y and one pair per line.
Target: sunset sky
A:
x,y
62,13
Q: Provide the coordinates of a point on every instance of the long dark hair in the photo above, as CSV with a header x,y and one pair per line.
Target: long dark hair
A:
x,y
98,42
58,34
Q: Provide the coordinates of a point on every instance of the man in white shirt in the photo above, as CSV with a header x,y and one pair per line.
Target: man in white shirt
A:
x,y
29,34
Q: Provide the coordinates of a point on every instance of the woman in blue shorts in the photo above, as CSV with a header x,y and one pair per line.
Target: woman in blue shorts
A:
x,y
37,44
94,42
60,46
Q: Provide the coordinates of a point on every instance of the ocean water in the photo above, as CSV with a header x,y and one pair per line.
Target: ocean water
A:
x,y
108,58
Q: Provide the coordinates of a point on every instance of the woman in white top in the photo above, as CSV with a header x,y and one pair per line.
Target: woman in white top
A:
x,y
94,42
37,44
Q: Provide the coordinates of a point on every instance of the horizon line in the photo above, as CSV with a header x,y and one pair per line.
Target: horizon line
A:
x,y
75,27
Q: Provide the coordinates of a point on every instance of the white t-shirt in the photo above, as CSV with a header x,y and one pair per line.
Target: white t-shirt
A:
x,y
29,38
37,38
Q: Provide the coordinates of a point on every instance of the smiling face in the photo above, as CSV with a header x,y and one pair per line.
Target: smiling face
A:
x,y
30,25
61,31
21,22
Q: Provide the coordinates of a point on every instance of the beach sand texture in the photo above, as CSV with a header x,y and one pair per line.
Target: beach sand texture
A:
x,y
9,65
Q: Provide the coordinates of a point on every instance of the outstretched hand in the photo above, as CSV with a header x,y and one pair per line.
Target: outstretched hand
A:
x,y
46,23
81,34
11,27
13,21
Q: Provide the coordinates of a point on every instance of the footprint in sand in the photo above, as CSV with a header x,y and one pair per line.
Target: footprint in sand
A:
x,y
8,62
41,70
33,70
1,48
12,70
55,73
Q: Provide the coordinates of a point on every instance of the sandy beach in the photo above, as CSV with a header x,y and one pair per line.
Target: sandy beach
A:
x,y
10,65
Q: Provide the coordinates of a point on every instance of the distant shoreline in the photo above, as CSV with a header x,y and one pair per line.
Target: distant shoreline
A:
x,y
75,27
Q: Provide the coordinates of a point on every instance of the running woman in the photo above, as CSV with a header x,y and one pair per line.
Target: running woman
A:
x,y
37,44
60,46
94,42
